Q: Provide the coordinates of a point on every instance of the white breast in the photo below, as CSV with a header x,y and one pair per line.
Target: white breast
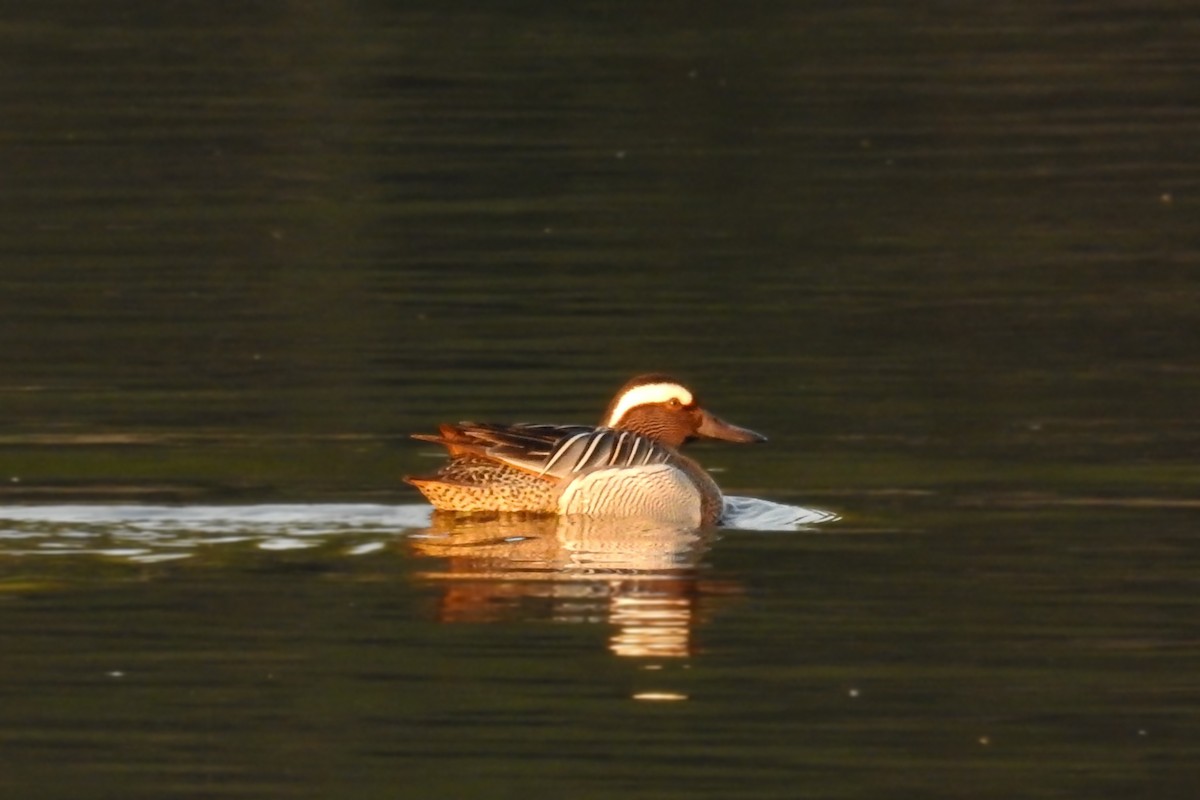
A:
x,y
657,491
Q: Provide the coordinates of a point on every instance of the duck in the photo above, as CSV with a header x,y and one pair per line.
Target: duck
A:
x,y
629,466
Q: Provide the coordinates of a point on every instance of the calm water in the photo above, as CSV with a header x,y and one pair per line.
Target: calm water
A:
x,y
945,258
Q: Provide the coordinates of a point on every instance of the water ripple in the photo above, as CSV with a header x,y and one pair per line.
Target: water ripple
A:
x,y
146,533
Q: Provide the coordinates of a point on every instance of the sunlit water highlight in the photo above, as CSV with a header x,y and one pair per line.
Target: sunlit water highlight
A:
x,y
147,533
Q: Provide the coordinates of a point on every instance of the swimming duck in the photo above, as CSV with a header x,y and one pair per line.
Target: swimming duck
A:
x,y
629,466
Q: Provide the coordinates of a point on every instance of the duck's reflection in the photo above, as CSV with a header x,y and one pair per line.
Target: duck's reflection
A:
x,y
640,576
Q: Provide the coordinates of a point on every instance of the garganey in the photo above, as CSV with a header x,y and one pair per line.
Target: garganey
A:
x,y
629,466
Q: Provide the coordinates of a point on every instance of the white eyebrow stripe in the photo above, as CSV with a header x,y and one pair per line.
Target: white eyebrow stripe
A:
x,y
645,394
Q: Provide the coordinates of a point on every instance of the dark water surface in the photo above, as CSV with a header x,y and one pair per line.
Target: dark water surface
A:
x,y
947,258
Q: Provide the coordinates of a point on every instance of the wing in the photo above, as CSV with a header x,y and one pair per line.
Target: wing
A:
x,y
554,452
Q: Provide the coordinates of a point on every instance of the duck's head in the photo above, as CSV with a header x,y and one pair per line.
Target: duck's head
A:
x,y
664,409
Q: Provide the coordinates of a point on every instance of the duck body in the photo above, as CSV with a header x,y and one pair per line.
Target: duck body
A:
x,y
629,466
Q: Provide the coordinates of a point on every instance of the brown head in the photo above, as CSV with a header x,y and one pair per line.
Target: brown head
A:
x,y
664,409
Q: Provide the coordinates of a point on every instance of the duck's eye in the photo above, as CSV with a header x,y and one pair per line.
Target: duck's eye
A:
x,y
674,403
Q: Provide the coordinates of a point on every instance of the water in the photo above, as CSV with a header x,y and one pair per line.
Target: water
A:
x,y
983,655
944,258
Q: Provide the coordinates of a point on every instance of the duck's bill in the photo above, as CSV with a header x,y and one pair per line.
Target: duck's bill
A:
x,y
713,427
